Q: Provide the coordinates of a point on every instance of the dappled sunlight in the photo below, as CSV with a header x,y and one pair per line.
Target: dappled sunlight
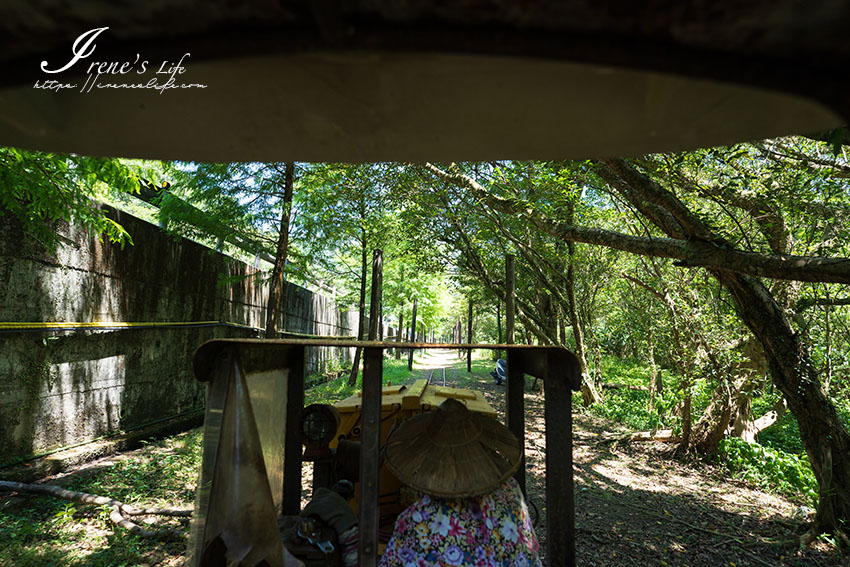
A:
x,y
636,506
433,358
81,400
49,531
633,500
633,504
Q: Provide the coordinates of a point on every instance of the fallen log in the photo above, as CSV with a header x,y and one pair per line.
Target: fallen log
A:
x,y
612,386
118,509
665,435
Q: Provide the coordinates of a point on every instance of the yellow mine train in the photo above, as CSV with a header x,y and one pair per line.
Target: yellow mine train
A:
x,y
398,403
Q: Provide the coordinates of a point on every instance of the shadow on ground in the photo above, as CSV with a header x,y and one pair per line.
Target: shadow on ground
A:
x,y
636,506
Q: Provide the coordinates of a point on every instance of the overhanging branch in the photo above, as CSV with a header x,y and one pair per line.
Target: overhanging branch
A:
x,y
689,253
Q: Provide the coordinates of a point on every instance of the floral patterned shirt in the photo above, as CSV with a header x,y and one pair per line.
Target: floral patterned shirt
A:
x,y
490,530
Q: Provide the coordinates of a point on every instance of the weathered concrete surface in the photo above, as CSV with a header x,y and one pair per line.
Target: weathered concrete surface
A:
x,y
63,388
34,470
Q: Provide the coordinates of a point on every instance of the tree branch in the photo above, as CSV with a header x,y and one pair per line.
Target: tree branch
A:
x,y
807,302
689,253
116,514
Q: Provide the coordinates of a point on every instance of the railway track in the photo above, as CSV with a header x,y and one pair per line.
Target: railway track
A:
x,y
431,376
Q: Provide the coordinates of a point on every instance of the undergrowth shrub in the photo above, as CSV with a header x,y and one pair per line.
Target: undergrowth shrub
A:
x,y
628,407
776,463
770,468
784,435
631,407
331,391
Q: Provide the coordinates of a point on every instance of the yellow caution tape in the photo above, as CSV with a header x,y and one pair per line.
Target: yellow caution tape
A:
x,y
70,325
98,325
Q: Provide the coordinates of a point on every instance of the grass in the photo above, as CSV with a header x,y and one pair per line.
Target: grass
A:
x,y
770,469
40,531
631,407
330,391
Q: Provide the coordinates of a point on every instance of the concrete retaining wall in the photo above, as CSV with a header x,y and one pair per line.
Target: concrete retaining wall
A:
x,y
68,387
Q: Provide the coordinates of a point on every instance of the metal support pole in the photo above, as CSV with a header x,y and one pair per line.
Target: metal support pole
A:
x,y
292,444
514,407
370,450
560,505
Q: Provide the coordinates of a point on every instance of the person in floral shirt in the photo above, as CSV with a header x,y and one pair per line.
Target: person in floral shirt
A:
x,y
490,530
470,511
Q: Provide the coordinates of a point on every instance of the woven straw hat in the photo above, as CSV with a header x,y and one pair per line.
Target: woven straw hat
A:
x,y
453,452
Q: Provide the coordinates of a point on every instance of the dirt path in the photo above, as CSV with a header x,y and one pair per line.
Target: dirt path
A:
x,y
636,506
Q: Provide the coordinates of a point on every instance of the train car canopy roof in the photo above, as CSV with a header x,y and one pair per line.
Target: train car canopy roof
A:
x,y
416,80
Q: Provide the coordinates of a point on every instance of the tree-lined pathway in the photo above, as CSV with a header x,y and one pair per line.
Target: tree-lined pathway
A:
x,y
636,506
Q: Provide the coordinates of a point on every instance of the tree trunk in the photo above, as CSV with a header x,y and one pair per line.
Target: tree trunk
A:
x,y
412,336
510,286
747,429
381,319
561,333
696,251
399,332
712,425
824,436
822,432
827,380
655,384
690,241
375,323
361,323
277,290
590,394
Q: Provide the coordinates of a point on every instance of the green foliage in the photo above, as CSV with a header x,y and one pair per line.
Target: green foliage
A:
x,y
329,391
631,407
770,468
166,474
342,213
445,243
404,282
784,435
41,190
774,465
395,371
233,207
48,531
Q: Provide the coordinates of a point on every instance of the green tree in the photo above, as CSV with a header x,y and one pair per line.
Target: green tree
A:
x,y
40,189
344,209
248,205
674,224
